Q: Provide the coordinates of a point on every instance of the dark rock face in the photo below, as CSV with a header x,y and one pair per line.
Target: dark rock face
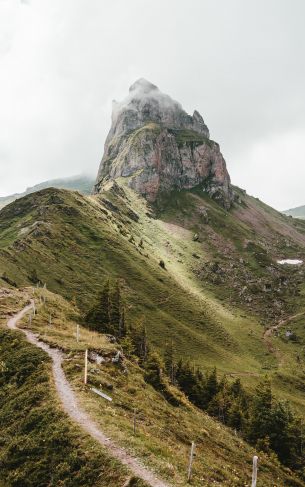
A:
x,y
159,147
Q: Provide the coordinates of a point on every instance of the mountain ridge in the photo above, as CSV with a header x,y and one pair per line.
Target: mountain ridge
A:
x,y
82,183
297,212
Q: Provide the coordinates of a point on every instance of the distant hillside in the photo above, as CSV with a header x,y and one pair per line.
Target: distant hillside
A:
x,y
83,184
298,212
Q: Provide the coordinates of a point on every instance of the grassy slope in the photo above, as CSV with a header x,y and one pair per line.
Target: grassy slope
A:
x,y
74,243
164,432
39,446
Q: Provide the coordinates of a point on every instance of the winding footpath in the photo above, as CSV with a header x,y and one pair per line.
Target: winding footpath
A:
x,y
269,332
76,413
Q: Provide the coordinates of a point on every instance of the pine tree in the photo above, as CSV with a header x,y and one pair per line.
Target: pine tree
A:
x,y
220,403
211,385
238,393
139,338
185,378
122,324
260,420
191,381
235,416
108,313
236,388
115,308
33,277
127,344
281,440
144,344
154,375
169,361
153,371
104,308
297,444
98,316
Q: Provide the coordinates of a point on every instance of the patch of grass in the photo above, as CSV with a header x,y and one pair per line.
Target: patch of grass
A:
x,y
190,137
56,321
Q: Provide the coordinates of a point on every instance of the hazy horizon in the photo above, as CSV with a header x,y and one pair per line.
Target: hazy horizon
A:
x,y
240,64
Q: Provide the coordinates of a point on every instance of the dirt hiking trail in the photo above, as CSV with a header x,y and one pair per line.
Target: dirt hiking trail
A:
x,y
77,414
269,332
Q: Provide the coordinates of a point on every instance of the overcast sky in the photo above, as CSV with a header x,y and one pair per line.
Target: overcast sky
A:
x,y
240,63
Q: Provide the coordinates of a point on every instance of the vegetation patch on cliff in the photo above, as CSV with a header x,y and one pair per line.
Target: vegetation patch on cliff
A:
x,y
190,137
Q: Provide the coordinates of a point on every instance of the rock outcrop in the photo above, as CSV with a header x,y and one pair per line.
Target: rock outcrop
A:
x,y
159,147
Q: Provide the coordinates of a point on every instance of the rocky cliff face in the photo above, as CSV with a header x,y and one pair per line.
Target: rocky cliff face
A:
x,y
159,147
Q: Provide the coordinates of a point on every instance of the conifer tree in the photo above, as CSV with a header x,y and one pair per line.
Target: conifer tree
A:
x,y
280,434
192,382
211,385
139,337
235,416
260,420
185,378
122,324
108,313
153,371
34,277
128,344
98,316
169,361
115,308
236,388
220,402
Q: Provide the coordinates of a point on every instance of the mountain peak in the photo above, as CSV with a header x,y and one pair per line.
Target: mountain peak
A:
x,y
146,103
159,147
142,85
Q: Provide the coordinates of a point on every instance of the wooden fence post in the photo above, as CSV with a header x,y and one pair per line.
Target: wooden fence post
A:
x,y
189,473
134,421
86,367
254,471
